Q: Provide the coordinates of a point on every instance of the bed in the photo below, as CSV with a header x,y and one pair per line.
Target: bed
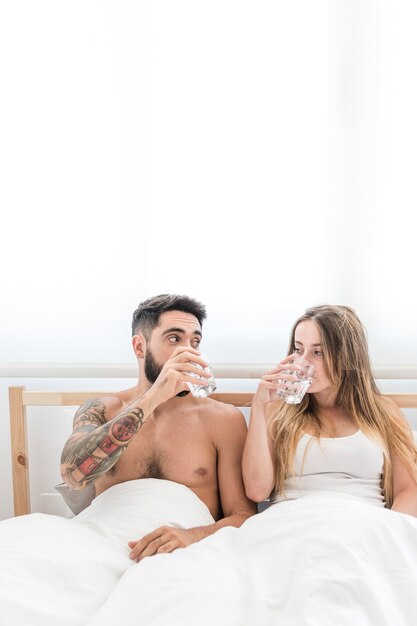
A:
x,y
316,561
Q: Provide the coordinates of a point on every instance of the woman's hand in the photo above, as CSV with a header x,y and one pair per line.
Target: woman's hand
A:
x,y
274,380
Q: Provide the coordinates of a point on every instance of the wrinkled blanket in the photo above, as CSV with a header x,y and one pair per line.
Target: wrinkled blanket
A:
x,y
58,572
318,561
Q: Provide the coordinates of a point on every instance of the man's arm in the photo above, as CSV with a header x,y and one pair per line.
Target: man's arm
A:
x,y
96,444
229,438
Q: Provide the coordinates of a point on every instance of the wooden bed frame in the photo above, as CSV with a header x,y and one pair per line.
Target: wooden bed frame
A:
x,y
19,399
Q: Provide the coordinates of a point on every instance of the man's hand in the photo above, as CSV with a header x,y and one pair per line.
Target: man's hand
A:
x,y
164,539
177,372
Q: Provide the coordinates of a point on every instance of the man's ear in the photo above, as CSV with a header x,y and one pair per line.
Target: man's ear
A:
x,y
138,344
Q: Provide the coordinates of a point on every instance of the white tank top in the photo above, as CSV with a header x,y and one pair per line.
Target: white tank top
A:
x,y
349,465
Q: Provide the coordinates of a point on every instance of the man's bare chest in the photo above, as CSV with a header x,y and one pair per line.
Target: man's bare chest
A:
x,y
179,450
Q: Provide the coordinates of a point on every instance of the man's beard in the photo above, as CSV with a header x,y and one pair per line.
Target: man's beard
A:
x,y
153,369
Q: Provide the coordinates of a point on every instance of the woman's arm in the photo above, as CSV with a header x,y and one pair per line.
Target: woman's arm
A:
x,y
404,485
258,467
404,488
258,464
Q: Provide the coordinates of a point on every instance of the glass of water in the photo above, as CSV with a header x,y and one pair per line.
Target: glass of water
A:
x,y
200,391
294,390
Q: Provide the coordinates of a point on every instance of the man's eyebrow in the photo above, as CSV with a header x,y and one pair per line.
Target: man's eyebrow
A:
x,y
174,329
315,345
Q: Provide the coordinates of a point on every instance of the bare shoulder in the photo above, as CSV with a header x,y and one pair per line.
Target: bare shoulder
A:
x,y
217,408
99,409
224,418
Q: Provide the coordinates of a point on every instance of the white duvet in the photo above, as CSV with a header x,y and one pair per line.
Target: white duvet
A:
x,y
56,571
318,561
323,560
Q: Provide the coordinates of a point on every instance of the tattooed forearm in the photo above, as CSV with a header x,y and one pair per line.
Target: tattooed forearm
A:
x,y
96,445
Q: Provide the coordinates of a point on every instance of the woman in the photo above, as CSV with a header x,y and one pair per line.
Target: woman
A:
x,y
343,437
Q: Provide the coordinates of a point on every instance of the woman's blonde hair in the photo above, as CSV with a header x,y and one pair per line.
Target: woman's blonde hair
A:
x,y
347,365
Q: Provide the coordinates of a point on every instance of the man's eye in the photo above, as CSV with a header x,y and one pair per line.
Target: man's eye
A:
x,y
173,339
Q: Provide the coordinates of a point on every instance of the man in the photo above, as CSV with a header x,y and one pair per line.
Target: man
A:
x,y
157,429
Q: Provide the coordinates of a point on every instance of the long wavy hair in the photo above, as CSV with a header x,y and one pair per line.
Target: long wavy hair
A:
x,y
347,365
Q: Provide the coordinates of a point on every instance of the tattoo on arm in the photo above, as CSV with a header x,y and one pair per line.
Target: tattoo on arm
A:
x,y
95,444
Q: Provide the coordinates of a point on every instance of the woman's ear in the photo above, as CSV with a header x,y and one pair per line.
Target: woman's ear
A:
x,y
138,344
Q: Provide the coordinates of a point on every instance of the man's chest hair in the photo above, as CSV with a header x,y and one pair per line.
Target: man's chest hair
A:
x,y
174,453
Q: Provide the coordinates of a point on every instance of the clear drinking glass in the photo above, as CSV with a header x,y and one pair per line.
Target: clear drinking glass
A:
x,y
295,390
200,391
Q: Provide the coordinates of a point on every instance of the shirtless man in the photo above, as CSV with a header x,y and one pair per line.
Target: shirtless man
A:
x,y
157,429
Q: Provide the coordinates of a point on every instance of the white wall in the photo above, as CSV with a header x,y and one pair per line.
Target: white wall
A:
x,y
258,156
161,147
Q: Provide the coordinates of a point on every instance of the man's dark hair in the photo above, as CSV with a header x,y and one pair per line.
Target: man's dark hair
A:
x,y
146,316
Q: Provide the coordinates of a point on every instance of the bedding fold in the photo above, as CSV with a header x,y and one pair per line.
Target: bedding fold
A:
x,y
58,572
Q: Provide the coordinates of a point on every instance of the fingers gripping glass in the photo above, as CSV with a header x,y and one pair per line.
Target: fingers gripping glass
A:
x,y
293,391
200,391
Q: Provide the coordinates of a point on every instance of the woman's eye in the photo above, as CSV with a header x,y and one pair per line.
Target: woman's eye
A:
x,y
318,353
297,350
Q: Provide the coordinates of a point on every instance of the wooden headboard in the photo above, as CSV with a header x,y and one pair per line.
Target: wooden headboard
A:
x,y
19,399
